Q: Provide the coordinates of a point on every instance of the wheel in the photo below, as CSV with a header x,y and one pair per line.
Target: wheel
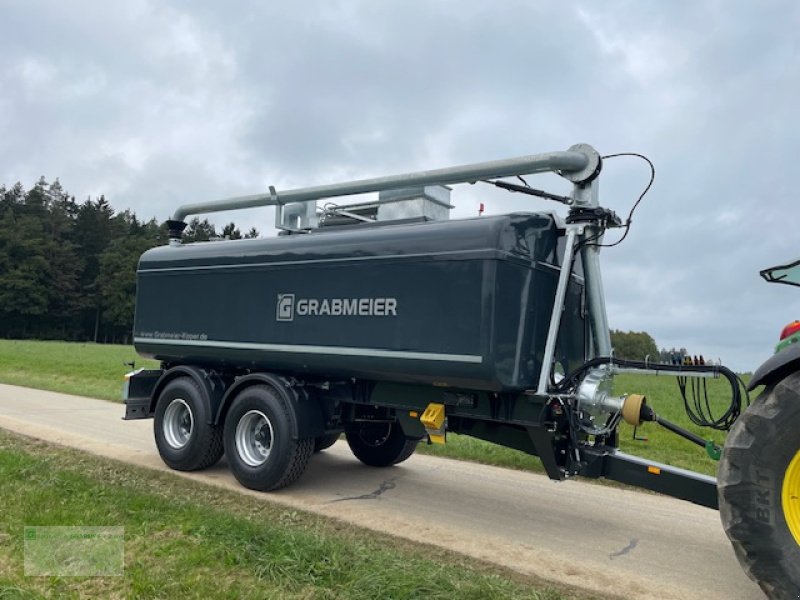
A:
x,y
184,438
258,440
324,442
379,444
759,489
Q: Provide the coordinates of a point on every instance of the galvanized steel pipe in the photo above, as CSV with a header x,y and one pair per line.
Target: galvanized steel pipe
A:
x,y
570,162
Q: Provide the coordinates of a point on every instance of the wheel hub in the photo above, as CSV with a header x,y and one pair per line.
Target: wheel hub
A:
x,y
178,423
375,434
253,438
790,497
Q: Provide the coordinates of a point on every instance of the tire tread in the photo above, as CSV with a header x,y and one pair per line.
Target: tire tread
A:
x,y
762,549
297,451
209,437
396,448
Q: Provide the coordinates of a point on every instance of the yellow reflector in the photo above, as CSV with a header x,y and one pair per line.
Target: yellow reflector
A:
x,y
413,414
654,470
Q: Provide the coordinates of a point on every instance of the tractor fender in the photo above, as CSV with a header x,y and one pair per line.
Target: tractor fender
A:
x,y
305,414
211,386
776,367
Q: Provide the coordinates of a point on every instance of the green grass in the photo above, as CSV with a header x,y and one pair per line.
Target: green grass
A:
x,y
94,370
665,398
183,539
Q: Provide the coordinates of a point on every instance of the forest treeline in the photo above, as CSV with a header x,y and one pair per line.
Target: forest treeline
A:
x,y
640,345
67,268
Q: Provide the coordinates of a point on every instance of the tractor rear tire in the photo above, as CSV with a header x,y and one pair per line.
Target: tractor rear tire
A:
x,y
759,489
379,444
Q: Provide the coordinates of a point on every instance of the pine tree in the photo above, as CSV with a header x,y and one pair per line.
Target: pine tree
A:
x,y
68,270
231,232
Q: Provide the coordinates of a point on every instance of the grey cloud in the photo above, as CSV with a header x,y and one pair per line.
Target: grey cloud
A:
x,y
156,104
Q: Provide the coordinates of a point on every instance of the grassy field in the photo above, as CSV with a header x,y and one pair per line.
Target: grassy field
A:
x,y
183,539
93,370
97,370
665,398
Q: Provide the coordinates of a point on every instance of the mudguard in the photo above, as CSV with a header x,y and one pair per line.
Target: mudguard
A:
x,y
776,367
212,386
306,415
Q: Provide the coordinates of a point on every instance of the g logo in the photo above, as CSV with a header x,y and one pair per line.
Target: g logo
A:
x,y
285,310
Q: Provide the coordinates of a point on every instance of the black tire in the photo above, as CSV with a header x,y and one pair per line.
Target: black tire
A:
x,y
752,473
184,438
324,442
265,458
379,444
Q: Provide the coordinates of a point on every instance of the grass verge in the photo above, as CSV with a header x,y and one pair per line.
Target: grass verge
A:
x,y
93,370
184,539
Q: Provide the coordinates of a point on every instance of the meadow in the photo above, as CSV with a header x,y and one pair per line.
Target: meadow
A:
x,y
94,370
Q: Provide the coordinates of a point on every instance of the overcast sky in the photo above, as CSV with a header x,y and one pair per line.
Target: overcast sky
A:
x,y
155,104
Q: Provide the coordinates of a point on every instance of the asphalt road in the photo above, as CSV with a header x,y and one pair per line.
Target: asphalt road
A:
x,y
607,540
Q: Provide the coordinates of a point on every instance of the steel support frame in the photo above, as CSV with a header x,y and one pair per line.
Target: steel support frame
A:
x,y
650,475
572,234
588,239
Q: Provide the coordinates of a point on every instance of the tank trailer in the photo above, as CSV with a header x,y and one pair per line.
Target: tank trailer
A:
x,y
391,323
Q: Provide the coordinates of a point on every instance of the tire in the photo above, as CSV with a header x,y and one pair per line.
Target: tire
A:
x,y
184,438
324,442
258,440
760,464
379,444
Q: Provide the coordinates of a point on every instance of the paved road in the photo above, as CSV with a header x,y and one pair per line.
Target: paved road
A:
x,y
602,539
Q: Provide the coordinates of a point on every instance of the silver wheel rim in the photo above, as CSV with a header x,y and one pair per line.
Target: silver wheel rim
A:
x,y
254,437
178,423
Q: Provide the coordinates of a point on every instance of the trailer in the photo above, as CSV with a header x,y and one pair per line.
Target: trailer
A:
x,y
387,321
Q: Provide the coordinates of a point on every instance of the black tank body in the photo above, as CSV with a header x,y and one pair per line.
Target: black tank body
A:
x,y
462,303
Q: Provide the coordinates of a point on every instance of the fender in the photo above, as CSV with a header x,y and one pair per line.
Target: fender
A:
x,y
776,367
210,384
306,415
